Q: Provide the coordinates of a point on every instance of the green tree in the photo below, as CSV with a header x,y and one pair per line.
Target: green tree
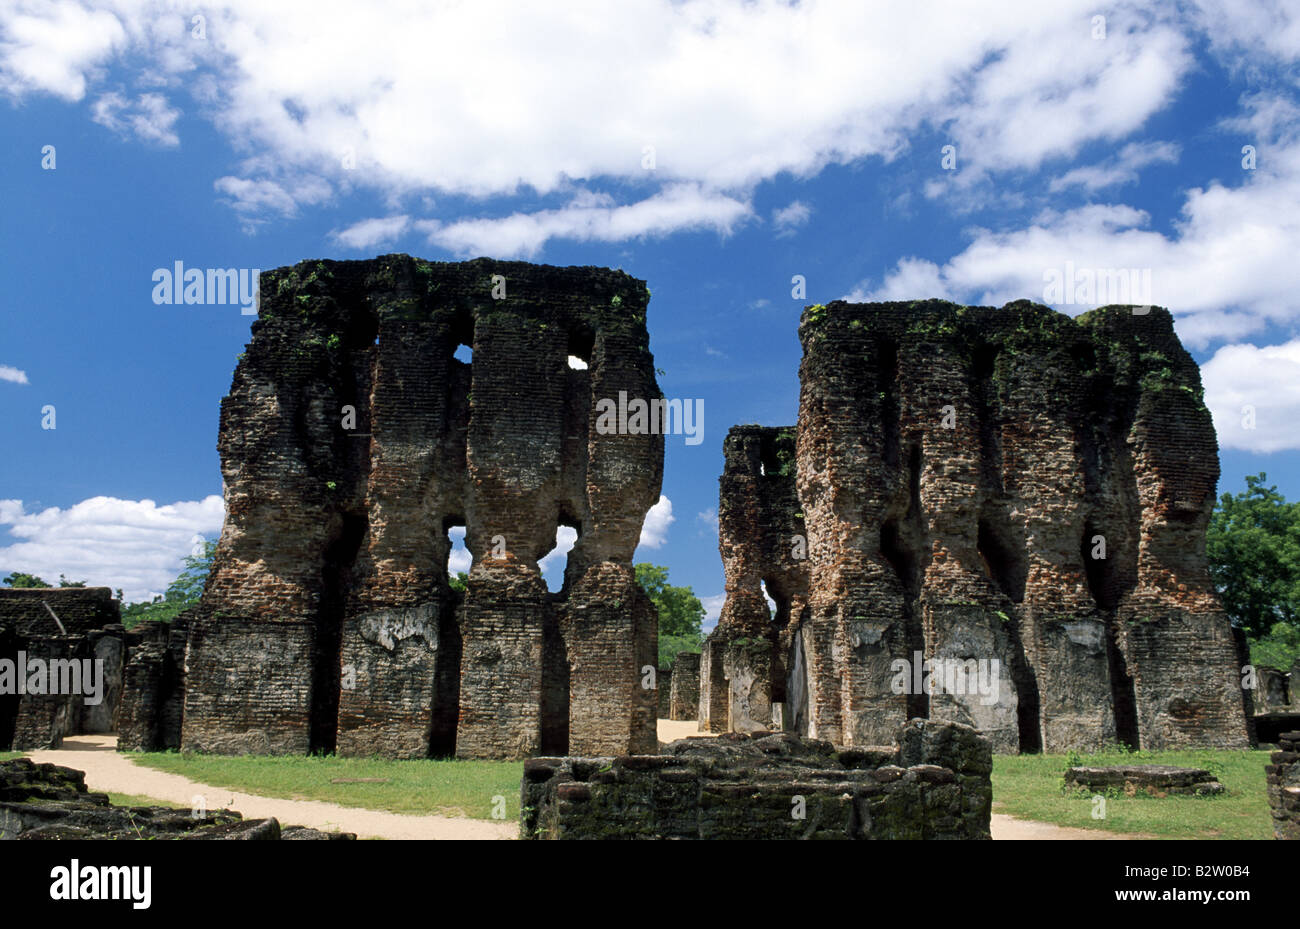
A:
x,y
680,612
460,582
1253,544
64,582
19,579
181,594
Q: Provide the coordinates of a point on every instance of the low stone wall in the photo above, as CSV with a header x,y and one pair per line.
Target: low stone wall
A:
x,y
1155,779
935,784
1284,786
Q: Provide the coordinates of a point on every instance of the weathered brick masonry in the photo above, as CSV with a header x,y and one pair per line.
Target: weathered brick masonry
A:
x,y
980,484
745,662
352,441
1284,786
933,784
87,629
958,468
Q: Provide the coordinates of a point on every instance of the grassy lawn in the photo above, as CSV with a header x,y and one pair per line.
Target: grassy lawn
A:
x,y
451,788
1029,787
9,756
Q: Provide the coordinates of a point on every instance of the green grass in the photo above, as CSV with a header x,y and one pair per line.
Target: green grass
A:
x,y
9,756
1029,787
420,787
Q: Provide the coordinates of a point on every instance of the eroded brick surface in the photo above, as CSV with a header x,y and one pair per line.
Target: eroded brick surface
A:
x,y
957,466
986,485
328,622
933,783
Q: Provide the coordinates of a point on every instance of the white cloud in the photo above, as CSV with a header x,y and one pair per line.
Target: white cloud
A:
x,y
1225,270
150,117
1264,379
13,375
709,517
710,85
371,233
654,531
593,218
55,47
459,559
136,545
1122,169
788,219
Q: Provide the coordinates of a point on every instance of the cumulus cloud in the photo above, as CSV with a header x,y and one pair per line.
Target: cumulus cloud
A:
x,y
1225,270
1122,169
788,219
371,233
13,375
1253,392
654,531
697,93
460,558
593,217
709,518
136,545
149,116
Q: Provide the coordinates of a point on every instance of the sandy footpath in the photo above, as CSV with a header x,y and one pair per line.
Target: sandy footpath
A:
x,y
108,771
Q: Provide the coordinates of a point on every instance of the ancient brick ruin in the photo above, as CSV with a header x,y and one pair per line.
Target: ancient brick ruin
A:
x,y
1283,775
744,664
59,624
684,692
979,484
352,441
934,783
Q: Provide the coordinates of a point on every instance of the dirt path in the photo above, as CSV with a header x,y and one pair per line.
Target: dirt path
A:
x,y
108,771
1008,827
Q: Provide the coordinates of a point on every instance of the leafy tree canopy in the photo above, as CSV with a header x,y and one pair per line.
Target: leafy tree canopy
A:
x,y
19,579
1253,543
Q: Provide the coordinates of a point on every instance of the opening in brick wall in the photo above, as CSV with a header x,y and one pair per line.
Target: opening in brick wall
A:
x,y
554,564
582,342
459,558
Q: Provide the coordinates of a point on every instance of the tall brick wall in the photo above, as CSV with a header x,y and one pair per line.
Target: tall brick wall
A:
x,y
335,546
955,468
761,537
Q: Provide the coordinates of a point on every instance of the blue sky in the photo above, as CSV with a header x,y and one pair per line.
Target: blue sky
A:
x,y
714,149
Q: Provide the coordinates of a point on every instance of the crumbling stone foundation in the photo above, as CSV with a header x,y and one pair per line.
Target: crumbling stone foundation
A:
x,y
935,784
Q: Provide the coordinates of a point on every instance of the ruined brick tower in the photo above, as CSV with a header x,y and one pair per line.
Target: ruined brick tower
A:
x,y
743,664
352,441
977,484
